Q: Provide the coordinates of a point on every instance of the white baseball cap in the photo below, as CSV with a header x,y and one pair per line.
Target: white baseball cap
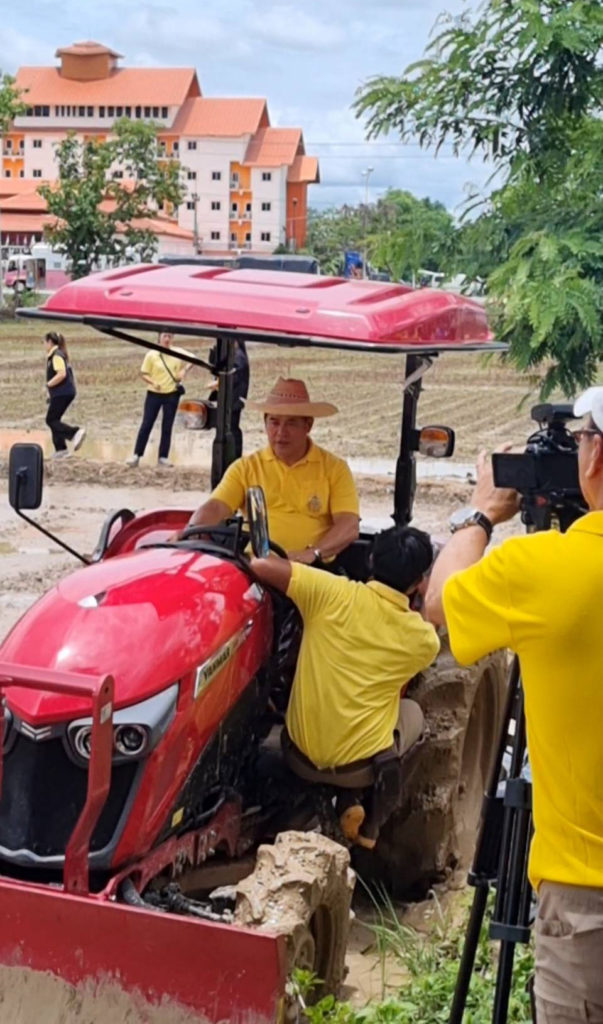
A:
x,y
590,402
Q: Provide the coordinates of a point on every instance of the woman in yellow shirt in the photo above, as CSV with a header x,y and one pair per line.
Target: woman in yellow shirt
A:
x,y
163,376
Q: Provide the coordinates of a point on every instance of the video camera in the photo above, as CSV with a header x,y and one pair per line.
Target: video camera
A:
x,y
546,474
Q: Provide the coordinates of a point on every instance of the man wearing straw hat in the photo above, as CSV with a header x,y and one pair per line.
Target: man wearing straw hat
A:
x,y
310,494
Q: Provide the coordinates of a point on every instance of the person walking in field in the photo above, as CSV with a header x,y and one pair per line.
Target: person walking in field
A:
x,y
60,385
163,375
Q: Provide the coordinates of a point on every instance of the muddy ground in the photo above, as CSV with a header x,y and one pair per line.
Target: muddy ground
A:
x,y
481,401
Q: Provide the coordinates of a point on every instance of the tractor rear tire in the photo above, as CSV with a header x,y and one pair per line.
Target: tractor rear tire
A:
x,y
302,888
433,832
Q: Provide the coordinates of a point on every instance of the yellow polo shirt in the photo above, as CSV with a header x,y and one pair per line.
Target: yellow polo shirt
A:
x,y
360,646
541,596
153,366
301,499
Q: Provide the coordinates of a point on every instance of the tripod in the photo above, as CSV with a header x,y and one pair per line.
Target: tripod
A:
x,y
501,859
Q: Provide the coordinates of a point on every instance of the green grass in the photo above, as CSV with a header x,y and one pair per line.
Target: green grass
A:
x,y
431,963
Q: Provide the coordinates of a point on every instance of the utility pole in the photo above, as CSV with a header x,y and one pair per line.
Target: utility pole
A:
x,y
366,175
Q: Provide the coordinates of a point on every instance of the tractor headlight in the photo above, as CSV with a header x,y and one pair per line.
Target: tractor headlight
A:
x,y
130,740
82,741
136,729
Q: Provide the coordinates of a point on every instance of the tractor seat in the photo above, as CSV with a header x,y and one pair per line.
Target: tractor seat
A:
x,y
357,774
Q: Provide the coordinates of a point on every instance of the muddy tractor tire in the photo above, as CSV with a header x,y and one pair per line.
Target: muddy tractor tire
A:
x,y
302,888
433,831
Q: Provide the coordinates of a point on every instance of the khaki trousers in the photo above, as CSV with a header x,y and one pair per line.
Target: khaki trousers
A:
x,y
569,954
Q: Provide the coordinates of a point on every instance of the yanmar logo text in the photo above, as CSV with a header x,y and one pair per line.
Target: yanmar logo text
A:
x,y
206,672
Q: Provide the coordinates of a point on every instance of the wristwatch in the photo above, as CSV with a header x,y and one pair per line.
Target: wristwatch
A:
x,y
470,517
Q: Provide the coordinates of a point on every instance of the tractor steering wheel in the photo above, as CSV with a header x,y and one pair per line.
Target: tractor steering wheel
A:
x,y
257,517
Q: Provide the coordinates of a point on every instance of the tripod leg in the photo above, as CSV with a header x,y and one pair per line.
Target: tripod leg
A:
x,y
463,978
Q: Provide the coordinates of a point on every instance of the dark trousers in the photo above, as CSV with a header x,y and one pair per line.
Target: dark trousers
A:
x,y
237,434
152,404
61,432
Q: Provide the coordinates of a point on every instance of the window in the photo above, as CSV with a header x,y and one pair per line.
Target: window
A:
x,y
90,111
215,236
9,143
191,144
191,175
248,208
118,174
155,111
248,236
265,236
138,111
266,207
234,210
190,205
36,173
8,174
119,111
39,111
164,111
101,111
233,236
128,111
111,111
21,174
266,175
56,111
175,146
147,111
216,204
37,143
81,111
216,175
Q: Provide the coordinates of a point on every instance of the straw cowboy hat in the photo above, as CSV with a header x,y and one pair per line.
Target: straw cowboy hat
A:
x,y
291,398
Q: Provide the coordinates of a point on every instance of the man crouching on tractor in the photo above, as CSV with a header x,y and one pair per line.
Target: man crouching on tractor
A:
x,y
346,724
310,493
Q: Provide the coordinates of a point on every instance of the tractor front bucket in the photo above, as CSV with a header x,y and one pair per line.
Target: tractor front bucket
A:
x,y
66,958
68,955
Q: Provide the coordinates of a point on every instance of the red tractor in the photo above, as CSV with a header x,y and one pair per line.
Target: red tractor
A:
x,y
138,764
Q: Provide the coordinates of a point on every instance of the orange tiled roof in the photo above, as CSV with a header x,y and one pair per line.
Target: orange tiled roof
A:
x,y
86,49
25,223
273,147
19,186
25,202
203,116
34,223
304,169
164,87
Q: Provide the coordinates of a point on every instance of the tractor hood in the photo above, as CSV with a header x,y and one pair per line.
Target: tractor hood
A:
x,y
148,618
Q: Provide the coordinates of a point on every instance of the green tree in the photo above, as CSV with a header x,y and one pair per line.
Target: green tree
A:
x,y
521,85
99,216
400,233
11,104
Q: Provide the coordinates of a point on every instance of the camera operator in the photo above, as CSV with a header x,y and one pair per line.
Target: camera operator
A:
x,y
540,596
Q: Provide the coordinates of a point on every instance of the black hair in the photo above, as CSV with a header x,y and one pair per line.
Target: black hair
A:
x,y
400,557
58,340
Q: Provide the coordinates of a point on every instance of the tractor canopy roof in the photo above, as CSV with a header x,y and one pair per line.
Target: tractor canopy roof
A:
x,y
272,306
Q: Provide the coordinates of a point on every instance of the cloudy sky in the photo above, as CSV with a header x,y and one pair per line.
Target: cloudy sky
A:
x,y
306,58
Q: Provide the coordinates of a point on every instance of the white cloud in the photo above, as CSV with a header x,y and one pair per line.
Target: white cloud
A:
x,y
293,28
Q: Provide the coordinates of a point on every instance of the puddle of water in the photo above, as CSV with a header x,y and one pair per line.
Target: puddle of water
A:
x,y
193,448
426,470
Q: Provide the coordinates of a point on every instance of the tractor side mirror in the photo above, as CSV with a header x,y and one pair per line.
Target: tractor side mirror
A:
x,y
437,442
25,476
257,517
